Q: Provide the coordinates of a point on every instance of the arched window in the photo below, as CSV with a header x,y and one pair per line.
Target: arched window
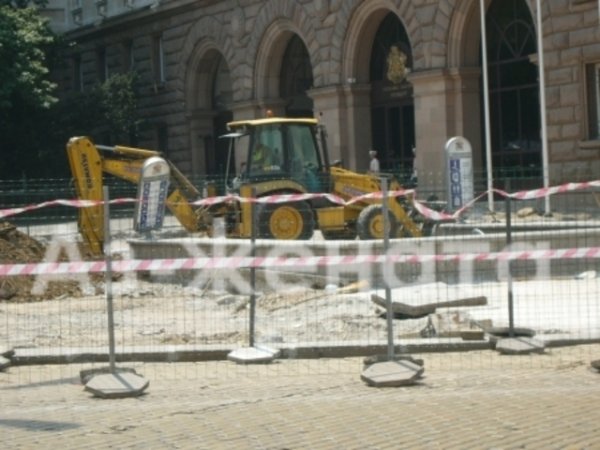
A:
x,y
392,102
514,89
221,102
391,33
296,79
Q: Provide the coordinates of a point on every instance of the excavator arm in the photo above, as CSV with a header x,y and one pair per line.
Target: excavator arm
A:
x,y
86,168
90,162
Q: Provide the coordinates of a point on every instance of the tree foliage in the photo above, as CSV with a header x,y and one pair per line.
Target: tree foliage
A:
x,y
34,125
26,92
107,112
118,99
23,3
25,40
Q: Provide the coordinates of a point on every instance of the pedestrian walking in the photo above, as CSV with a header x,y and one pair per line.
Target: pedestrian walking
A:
x,y
374,164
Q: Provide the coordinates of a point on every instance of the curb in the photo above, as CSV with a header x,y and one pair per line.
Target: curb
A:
x,y
189,353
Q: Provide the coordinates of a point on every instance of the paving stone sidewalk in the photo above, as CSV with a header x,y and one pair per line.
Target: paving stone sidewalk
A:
x,y
472,400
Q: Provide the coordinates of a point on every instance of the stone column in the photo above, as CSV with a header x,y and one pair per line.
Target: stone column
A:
x,y
468,116
257,109
434,118
447,104
358,99
330,109
247,110
201,139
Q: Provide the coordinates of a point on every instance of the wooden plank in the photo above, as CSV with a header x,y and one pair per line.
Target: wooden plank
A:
x,y
404,310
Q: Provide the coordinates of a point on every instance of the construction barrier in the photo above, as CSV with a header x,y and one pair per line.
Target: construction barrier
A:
x,y
286,198
307,304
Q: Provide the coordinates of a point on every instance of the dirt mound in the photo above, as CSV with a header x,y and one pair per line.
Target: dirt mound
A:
x,y
18,248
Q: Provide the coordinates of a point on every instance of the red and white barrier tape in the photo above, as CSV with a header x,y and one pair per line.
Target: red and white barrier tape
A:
x,y
544,192
73,203
279,198
285,198
236,262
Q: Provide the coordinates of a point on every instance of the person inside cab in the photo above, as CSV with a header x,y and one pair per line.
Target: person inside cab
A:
x,y
264,159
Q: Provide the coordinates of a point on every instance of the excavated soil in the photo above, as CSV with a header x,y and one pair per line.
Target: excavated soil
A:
x,y
18,248
157,309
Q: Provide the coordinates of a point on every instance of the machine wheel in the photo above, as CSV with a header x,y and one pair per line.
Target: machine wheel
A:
x,y
286,221
370,223
337,235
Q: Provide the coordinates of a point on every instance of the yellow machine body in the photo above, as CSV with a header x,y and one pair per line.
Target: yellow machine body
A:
x,y
89,163
299,164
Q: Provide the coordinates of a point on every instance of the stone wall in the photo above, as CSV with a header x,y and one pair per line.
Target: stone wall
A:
x,y
250,36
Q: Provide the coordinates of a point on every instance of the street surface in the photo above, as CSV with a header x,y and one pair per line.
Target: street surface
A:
x,y
472,400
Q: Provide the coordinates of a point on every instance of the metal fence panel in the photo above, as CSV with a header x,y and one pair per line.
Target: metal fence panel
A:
x,y
315,298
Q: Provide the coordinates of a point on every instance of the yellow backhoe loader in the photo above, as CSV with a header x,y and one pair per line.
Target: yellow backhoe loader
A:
x,y
266,157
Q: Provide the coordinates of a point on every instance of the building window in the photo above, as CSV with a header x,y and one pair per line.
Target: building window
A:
x,y
77,74
101,8
76,11
162,139
514,90
102,65
158,60
593,88
127,57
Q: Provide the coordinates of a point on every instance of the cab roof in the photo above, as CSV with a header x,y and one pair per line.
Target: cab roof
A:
x,y
271,121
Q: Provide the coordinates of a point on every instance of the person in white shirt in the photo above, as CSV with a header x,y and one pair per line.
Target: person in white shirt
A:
x,y
374,164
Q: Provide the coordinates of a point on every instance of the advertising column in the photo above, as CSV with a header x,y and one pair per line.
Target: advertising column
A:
x,y
152,193
459,166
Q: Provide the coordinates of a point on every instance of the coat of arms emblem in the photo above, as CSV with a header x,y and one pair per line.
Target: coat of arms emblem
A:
x,y
396,62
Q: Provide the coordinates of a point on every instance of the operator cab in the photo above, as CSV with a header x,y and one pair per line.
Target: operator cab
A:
x,y
279,149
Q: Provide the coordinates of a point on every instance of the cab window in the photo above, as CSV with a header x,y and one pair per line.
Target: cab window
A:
x,y
304,159
266,154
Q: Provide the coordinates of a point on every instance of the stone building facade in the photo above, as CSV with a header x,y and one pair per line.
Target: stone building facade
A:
x,y
400,76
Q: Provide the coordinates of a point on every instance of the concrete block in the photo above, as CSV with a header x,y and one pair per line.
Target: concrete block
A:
x,y
392,374
519,346
253,355
87,374
117,385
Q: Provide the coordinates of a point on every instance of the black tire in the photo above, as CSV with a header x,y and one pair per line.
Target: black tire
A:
x,y
370,223
288,221
338,235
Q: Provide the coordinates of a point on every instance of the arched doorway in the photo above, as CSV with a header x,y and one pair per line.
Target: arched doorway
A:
x,y
514,90
296,78
392,102
209,98
221,100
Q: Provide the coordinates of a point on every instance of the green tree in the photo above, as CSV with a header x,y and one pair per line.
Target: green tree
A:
x,y
118,98
106,112
23,3
34,125
26,92
25,40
